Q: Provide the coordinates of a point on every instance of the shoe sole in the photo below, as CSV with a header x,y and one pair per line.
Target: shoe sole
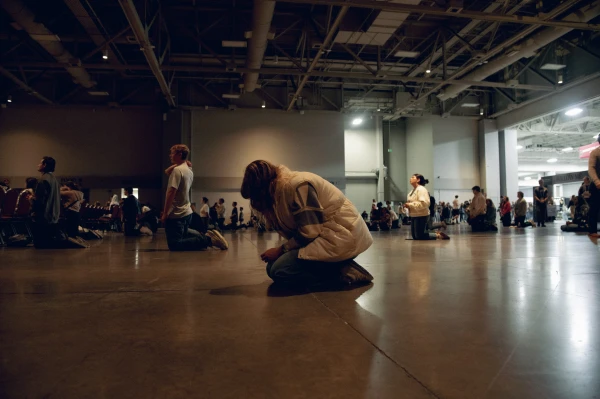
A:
x,y
361,269
221,238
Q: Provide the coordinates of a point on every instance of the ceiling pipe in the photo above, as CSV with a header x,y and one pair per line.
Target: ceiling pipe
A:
x,y
48,40
24,86
262,15
527,49
141,35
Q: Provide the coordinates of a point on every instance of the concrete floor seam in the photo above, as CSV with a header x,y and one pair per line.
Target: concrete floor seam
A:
x,y
408,373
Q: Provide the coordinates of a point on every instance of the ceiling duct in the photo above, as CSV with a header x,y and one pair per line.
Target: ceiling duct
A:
x,y
382,28
90,27
48,40
262,15
527,48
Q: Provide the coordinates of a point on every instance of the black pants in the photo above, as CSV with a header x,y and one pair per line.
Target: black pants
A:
x,y
204,221
178,239
478,223
221,223
520,222
541,213
129,229
594,203
73,220
47,235
418,229
506,220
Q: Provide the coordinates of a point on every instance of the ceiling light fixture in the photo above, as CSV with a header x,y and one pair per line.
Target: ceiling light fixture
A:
x,y
470,105
230,95
9,99
567,149
574,112
552,67
263,104
428,70
560,79
407,54
552,160
528,178
519,147
481,111
105,54
357,121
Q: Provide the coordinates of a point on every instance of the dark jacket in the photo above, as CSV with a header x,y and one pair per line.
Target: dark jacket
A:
x,y
131,209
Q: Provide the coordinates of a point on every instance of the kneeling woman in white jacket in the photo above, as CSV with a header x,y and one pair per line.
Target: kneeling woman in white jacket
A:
x,y
418,205
324,231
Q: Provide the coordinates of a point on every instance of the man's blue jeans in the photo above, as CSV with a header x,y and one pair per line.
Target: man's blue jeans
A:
x,y
178,238
291,270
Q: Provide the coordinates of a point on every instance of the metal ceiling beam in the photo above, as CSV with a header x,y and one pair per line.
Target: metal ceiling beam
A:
x,y
294,72
141,36
332,31
466,14
24,86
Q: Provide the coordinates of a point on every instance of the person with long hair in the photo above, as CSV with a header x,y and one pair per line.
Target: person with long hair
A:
x,y
324,231
505,209
418,202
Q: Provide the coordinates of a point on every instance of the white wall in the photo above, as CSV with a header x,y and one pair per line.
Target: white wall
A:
x,y
361,158
455,154
225,142
419,149
512,162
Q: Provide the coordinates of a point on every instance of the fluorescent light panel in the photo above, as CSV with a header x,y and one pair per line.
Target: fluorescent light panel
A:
x,y
227,95
407,54
574,112
97,93
552,160
552,67
234,43
470,105
357,121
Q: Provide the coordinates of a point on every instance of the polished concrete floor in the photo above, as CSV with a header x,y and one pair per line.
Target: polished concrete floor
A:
x,y
508,315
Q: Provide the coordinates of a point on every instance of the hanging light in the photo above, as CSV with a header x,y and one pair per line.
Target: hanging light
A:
x,y
574,112
428,70
481,111
105,54
357,121
560,78
263,104
9,99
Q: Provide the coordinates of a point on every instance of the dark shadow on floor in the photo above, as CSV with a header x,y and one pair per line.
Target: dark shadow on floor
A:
x,y
271,289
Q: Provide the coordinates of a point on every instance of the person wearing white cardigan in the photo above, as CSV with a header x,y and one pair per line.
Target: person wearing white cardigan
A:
x,y
418,204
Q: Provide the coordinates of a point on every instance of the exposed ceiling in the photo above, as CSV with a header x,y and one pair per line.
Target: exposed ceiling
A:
x,y
558,135
351,56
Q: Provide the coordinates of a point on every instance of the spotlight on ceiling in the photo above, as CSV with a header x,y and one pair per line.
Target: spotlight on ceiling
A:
x,y
105,54
519,147
560,79
9,99
573,112
567,149
264,104
481,111
552,160
528,178
357,121
428,70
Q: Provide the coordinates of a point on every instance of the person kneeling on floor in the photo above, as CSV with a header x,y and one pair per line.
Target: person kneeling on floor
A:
x,y
177,213
324,231
477,211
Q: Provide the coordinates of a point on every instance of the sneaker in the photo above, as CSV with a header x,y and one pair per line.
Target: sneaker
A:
x,y
353,273
145,230
217,239
78,242
443,236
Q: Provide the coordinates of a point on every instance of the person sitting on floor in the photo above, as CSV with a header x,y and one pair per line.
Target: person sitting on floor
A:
x,y
27,193
324,231
505,209
385,219
374,218
477,211
490,215
521,212
72,205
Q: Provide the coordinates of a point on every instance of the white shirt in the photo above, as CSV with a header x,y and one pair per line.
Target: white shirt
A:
x,y
181,179
418,202
204,211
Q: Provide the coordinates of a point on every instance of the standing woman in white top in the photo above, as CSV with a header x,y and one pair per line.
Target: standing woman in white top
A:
x,y
418,204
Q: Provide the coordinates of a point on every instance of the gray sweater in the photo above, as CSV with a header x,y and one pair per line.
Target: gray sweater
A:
x,y
46,204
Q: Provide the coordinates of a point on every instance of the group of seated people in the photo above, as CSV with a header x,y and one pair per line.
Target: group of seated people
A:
x,y
579,209
381,218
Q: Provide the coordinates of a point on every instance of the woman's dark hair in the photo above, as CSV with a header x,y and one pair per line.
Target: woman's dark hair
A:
x,y
259,185
234,203
30,182
49,164
490,203
476,188
205,200
422,180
